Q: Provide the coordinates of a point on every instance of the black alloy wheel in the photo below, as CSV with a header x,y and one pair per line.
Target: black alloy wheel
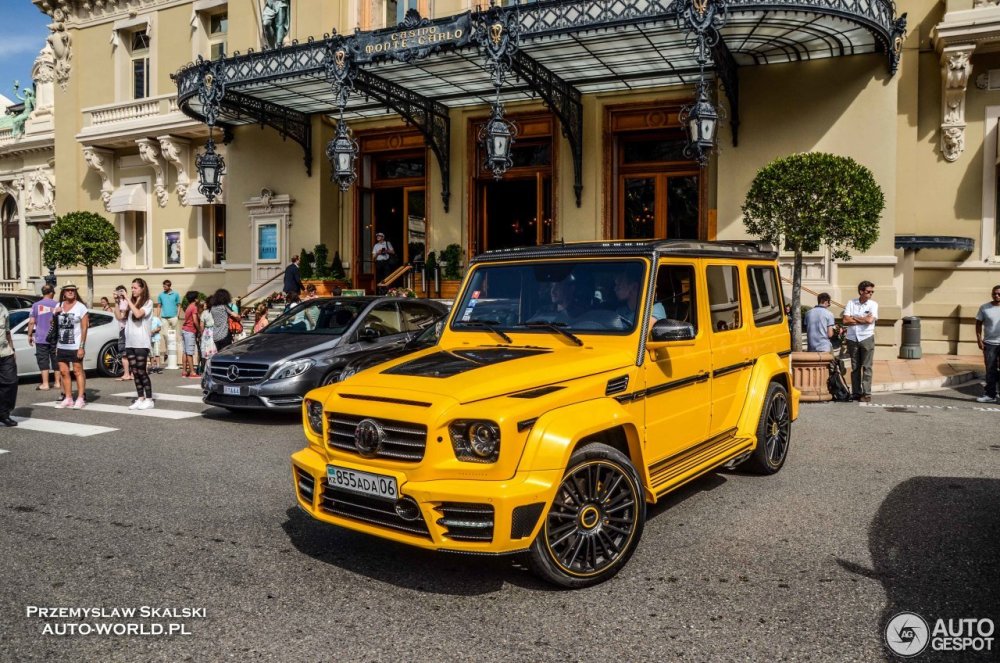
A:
x,y
333,377
109,362
595,521
774,432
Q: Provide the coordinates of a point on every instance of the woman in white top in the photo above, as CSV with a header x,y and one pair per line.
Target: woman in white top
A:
x,y
73,323
137,343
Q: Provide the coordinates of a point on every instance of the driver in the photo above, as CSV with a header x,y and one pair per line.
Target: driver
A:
x,y
627,291
563,305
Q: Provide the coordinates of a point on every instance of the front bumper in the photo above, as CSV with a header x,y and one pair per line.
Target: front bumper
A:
x,y
276,395
457,515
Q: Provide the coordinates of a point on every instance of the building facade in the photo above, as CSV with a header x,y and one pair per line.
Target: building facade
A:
x,y
596,92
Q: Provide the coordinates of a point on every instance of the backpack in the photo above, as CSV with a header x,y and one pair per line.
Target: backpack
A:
x,y
836,383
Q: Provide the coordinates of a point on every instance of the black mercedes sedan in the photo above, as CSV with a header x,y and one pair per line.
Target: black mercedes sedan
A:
x,y
309,346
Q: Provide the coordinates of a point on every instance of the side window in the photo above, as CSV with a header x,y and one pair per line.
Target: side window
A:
x,y
384,319
675,294
16,318
724,297
765,296
98,319
417,317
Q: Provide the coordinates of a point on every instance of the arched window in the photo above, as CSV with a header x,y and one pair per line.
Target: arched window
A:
x,y
11,239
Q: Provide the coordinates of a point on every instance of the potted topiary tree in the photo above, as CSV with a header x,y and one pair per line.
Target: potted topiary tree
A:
x,y
82,238
306,268
451,271
328,277
808,201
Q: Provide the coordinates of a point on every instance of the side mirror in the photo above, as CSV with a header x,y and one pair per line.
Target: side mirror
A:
x,y
368,335
672,330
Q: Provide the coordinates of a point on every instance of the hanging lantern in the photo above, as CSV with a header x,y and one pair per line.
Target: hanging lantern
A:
x,y
701,119
342,152
211,167
498,136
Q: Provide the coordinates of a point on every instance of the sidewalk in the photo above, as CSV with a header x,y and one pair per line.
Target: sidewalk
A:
x,y
928,371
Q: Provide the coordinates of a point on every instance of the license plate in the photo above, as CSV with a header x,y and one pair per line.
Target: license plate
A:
x,y
364,483
231,390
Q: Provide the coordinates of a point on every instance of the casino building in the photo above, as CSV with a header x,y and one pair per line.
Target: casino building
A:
x,y
339,119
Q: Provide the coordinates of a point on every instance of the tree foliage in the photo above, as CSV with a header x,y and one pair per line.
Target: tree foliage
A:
x,y
807,201
82,238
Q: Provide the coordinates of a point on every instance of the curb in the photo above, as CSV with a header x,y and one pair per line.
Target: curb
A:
x,y
949,381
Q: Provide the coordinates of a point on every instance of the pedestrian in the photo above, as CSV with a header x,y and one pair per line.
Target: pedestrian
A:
x,y
105,304
260,314
860,316
207,348
819,324
73,324
189,333
8,370
221,314
138,343
988,339
293,280
39,323
155,326
121,313
382,254
169,301
310,292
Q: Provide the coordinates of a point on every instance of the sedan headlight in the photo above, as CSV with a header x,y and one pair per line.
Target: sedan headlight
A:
x,y
475,441
291,369
314,415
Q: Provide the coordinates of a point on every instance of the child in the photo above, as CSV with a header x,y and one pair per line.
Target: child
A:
x,y
261,318
154,330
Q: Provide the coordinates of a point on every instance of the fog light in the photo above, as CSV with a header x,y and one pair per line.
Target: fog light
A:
x,y
314,415
408,509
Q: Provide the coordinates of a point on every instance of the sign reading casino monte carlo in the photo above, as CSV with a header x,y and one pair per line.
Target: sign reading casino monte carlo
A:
x,y
412,40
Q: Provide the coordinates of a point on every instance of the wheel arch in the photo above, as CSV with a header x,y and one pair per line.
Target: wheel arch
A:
x,y
768,369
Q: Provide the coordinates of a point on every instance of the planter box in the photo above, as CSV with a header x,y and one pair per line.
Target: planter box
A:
x,y
810,371
449,288
327,288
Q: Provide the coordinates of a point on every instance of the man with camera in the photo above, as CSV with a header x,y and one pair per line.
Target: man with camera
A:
x,y
120,309
382,253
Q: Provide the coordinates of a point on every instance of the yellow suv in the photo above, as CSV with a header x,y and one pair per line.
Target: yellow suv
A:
x,y
573,385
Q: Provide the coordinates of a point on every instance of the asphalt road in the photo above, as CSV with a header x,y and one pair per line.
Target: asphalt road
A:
x,y
880,509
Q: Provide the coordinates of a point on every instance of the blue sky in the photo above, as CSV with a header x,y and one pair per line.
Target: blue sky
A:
x,y
22,34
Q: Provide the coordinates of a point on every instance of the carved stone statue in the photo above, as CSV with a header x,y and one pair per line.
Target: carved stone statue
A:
x,y
952,142
275,21
28,97
53,63
958,70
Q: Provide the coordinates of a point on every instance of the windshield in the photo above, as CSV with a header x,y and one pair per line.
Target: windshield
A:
x,y
591,296
328,317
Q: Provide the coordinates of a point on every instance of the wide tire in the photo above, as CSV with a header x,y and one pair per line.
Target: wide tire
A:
x,y
109,361
595,521
774,432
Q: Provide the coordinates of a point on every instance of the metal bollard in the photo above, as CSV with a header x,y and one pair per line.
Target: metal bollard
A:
x,y
172,349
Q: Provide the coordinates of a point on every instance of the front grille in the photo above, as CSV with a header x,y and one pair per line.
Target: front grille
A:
x,y
247,373
233,401
306,485
369,510
403,441
466,522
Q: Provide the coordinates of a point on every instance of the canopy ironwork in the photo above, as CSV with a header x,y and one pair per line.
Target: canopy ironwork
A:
x,y
422,68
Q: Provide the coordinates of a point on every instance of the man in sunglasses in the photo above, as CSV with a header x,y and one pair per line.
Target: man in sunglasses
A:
x,y
860,316
988,338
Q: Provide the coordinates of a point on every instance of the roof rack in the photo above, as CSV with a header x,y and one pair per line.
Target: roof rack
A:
x,y
729,249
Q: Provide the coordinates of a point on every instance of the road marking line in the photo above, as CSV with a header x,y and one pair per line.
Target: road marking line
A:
x,y
189,386
123,409
60,427
932,407
4,451
160,396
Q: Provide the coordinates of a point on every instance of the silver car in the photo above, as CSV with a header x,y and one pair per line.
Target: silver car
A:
x,y
102,344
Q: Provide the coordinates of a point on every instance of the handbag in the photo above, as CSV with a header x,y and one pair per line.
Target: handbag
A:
x,y
235,326
52,337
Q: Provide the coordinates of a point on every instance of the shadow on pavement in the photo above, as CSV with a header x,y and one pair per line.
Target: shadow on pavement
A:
x,y
254,417
935,544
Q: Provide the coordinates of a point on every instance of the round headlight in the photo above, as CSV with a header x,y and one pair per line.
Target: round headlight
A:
x,y
314,415
483,439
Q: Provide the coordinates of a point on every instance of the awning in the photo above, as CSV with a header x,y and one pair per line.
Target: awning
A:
x,y
129,198
916,242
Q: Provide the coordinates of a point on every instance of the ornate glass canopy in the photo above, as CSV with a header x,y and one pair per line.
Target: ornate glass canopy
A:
x,y
422,68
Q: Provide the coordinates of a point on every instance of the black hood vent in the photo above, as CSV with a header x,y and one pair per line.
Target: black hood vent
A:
x,y
446,364
535,393
616,385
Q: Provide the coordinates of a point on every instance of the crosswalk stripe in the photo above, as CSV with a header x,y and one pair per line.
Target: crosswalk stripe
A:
x,y
4,451
189,386
160,396
123,409
60,427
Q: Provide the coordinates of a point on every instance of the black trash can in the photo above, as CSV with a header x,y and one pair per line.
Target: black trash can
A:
x,y
910,348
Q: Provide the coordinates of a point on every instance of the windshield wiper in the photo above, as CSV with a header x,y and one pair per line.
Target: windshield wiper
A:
x,y
487,324
556,327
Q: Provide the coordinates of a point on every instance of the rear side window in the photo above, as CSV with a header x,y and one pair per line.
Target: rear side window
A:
x,y
765,296
724,297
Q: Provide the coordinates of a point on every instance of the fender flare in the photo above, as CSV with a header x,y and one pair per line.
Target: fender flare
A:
x,y
556,433
765,370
